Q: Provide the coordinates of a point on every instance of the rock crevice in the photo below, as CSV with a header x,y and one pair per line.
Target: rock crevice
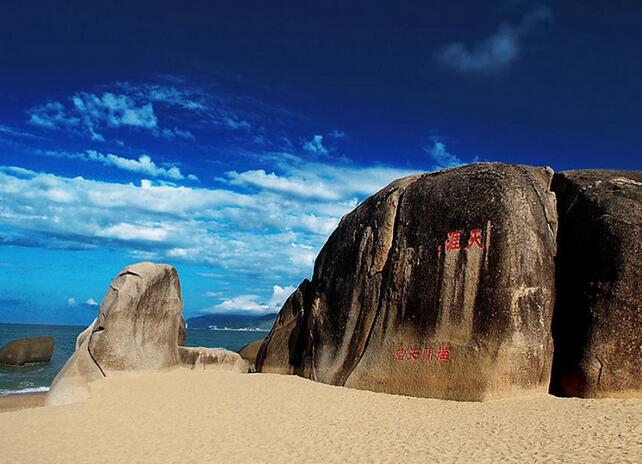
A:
x,y
597,323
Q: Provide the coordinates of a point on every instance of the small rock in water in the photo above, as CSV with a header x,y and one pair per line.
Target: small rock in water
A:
x,y
27,350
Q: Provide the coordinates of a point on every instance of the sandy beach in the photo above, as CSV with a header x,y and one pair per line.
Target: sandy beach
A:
x,y
182,416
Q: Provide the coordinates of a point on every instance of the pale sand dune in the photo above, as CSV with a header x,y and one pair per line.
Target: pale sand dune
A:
x,y
185,416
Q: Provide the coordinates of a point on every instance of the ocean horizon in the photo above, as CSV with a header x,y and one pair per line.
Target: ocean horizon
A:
x,y
37,377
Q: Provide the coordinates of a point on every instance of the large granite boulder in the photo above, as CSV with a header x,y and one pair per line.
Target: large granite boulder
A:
x,y
440,285
598,314
138,328
27,350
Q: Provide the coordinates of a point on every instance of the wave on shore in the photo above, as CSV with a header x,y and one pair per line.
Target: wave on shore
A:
x,y
23,391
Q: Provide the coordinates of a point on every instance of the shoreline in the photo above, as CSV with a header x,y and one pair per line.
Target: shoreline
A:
x,y
18,401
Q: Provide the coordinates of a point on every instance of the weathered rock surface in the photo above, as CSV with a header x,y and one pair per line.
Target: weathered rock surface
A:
x,y
138,328
71,384
598,314
213,358
27,350
440,285
139,321
249,353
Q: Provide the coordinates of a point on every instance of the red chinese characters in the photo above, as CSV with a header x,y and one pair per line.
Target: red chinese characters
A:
x,y
424,355
443,354
453,242
475,239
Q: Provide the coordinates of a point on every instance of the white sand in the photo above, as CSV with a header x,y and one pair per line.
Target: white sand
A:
x,y
186,416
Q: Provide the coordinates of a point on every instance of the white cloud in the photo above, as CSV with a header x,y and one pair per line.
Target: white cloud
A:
x,y
494,53
102,113
18,133
302,256
188,98
136,232
92,114
441,156
279,295
315,145
177,133
233,123
143,165
302,187
71,301
338,134
242,303
91,302
321,181
243,228
252,303
115,110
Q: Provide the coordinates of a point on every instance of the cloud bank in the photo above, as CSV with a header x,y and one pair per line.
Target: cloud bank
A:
x,y
254,223
143,165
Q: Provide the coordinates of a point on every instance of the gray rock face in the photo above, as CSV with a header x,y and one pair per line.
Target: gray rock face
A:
x,y
139,321
440,285
138,328
598,313
71,384
213,359
27,350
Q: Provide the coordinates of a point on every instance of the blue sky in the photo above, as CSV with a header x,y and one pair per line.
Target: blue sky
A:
x,y
228,140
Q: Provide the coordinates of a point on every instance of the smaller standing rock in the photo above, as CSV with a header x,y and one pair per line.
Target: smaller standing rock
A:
x,y
27,350
139,327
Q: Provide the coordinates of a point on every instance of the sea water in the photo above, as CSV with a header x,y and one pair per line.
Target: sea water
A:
x,y
38,377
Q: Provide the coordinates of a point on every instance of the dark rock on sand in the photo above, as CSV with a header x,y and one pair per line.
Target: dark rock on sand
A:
x,y
249,353
440,285
598,314
27,350
182,333
284,347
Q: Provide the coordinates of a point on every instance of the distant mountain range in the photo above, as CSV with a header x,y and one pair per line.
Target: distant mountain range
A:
x,y
232,321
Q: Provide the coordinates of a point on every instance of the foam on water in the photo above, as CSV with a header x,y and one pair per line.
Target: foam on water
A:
x,y
24,391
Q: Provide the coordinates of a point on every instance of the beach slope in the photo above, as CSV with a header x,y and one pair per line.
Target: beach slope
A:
x,y
183,416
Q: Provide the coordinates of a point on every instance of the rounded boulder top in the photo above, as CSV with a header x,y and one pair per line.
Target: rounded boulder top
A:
x,y
439,285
